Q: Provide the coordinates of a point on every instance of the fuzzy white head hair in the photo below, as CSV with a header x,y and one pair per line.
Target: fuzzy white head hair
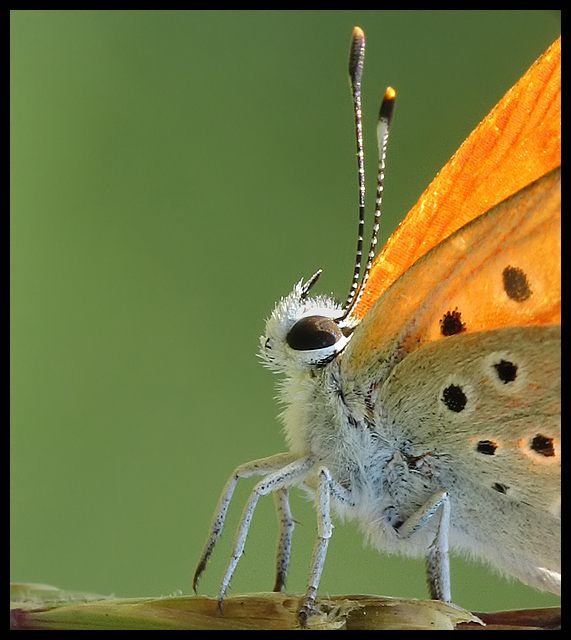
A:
x,y
301,332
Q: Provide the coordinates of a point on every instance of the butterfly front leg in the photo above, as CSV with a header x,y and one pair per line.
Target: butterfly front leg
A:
x,y
326,488
293,473
438,560
259,467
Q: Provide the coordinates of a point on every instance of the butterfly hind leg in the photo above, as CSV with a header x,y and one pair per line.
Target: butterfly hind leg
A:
x,y
438,561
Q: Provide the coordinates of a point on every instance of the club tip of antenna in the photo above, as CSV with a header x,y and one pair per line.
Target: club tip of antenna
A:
x,y
390,94
356,57
387,105
358,39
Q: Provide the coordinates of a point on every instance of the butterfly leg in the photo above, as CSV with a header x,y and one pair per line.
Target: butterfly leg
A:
x,y
290,474
438,561
259,467
326,488
284,541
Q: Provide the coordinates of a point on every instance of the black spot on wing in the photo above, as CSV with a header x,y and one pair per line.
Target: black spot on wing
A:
x,y
543,445
516,284
487,447
451,323
454,398
506,371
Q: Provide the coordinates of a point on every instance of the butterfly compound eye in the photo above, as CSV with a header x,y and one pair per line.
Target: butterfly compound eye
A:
x,y
313,332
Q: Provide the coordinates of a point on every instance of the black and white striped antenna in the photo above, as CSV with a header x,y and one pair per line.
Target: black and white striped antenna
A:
x,y
356,59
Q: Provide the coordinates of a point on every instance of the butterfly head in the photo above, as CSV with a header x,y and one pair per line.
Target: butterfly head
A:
x,y
302,333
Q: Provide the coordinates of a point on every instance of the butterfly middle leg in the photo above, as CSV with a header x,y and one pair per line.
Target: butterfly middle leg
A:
x,y
326,488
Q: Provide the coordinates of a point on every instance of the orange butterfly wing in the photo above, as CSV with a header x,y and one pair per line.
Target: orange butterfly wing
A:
x,y
500,270
518,142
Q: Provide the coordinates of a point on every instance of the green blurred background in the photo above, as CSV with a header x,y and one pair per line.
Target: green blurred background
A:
x,y
173,174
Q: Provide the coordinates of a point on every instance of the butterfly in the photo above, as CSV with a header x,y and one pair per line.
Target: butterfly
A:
x,y
427,407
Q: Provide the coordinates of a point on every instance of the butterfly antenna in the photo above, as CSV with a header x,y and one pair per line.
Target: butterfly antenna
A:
x,y
383,127
356,58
